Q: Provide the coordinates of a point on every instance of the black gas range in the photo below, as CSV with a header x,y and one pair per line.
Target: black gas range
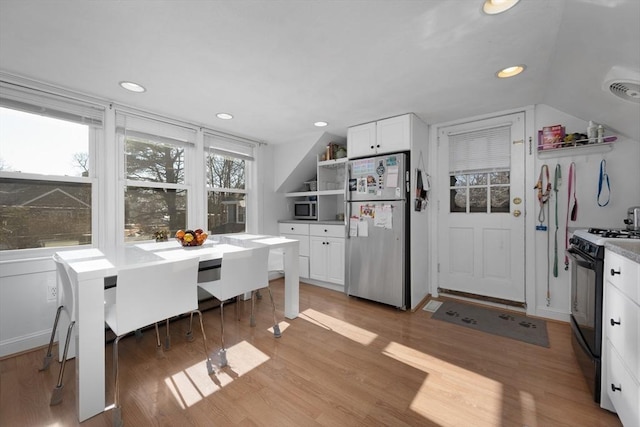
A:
x,y
587,277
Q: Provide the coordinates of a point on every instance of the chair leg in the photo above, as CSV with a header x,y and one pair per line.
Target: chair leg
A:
x,y
190,331
252,318
158,336
117,411
47,358
223,350
276,326
56,396
204,341
167,338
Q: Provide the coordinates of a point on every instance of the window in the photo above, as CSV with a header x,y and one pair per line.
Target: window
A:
x,y
156,191
479,163
226,165
46,146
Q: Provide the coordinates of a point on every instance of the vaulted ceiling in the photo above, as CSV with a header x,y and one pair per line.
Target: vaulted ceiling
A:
x,y
279,66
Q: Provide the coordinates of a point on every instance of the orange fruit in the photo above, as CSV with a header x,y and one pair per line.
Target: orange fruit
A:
x,y
180,234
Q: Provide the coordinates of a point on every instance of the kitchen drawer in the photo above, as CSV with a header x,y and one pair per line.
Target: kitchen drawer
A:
x,y
327,230
625,336
303,245
293,228
626,274
626,400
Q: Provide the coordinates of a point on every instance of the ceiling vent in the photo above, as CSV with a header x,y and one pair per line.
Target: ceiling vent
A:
x,y
623,83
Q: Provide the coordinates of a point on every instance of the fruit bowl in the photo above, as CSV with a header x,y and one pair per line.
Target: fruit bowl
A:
x,y
191,238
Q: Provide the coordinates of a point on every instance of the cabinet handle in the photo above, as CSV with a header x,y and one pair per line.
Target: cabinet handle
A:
x,y
325,230
613,272
372,147
613,322
292,228
378,146
614,388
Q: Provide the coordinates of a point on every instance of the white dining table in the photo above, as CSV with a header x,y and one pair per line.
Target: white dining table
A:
x,y
90,270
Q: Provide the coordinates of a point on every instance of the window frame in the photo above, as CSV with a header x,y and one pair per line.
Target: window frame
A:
x,y
229,148
154,130
61,105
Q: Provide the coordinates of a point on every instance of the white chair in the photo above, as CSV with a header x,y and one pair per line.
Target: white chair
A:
x,y
67,303
241,272
149,294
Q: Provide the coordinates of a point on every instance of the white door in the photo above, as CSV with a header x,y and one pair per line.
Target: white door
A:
x,y
481,221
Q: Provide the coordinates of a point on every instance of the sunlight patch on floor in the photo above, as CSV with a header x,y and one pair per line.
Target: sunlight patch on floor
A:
x,y
338,326
283,327
528,409
194,383
440,395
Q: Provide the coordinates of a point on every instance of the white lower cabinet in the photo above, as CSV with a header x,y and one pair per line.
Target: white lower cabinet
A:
x,y
621,338
327,259
321,250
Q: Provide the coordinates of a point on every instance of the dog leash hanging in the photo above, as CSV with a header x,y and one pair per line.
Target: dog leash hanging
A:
x,y
604,177
543,194
573,211
557,181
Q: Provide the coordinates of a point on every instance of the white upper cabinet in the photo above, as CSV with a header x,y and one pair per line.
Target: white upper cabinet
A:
x,y
384,136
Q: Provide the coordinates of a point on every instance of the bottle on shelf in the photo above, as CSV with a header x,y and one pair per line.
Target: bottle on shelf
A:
x,y
600,134
592,131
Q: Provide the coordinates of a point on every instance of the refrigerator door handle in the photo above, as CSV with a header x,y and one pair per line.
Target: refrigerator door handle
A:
x,y
347,209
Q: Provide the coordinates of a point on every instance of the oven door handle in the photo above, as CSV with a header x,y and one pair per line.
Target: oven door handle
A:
x,y
581,260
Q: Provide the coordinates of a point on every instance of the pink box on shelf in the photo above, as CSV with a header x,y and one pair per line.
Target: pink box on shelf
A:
x,y
550,137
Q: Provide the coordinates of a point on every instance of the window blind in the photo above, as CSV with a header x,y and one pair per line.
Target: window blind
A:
x,y
227,146
50,105
480,150
154,130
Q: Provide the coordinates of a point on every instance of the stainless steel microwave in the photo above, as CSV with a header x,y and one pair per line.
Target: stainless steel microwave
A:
x,y
305,210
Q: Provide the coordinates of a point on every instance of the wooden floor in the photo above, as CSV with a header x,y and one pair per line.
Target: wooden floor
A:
x,y
343,362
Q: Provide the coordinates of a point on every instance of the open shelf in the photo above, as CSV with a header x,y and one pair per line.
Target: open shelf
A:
x,y
575,150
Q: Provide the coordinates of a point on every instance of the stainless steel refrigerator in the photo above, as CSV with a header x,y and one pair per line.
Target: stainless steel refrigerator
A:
x,y
377,246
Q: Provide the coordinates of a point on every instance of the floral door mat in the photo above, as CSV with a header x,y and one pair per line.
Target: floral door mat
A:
x,y
496,322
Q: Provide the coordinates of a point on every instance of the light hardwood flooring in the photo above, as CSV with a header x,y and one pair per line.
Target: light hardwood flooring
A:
x,y
343,362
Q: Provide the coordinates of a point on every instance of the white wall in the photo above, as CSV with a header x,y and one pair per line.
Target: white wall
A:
x,y
623,168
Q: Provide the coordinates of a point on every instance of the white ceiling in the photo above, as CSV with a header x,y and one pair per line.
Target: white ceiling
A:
x,y
280,65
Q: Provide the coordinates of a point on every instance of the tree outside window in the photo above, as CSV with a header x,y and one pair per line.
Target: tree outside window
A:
x,y
156,194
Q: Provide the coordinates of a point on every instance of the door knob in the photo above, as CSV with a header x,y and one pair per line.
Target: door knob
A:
x,y
517,213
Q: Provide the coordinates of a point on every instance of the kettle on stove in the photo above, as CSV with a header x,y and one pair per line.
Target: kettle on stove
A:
x,y
633,218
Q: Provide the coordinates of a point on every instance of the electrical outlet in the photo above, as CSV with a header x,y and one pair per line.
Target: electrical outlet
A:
x,y
52,293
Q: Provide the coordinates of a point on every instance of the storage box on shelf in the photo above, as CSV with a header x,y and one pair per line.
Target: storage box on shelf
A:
x,y
621,338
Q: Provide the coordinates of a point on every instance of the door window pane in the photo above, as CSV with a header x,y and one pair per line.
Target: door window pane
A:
x,y
480,187
478,199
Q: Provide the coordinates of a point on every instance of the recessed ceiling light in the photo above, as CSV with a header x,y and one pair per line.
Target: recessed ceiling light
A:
x,y
133,87
224,116
320,124
510,71
493,7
